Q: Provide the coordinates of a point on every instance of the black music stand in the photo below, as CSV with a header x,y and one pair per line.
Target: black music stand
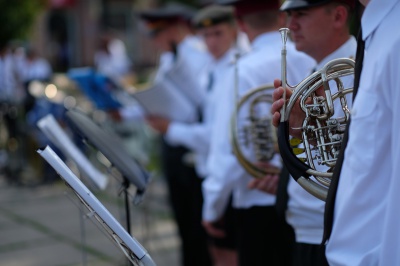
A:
x,y
133,250
112,148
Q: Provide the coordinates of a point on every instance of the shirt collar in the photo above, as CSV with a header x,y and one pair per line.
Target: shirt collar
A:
x,y
373,14
192,43
347,50
227,59
264,39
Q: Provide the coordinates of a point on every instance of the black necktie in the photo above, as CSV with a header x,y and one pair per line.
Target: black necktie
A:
x,y
210,82
330,200
282,196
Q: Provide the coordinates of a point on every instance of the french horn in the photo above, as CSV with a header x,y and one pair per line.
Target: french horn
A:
x,y
326,115
257,134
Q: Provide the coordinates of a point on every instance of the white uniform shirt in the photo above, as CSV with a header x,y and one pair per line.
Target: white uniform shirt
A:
x,y
260,66
305,212
196,136
37,69
116,63
192,58
9,86
178,74
370,172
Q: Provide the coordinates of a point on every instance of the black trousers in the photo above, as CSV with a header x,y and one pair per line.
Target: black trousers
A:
x,y
228,225
263,238
309,255
186,201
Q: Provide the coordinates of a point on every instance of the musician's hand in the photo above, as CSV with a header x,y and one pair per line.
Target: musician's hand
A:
x,y
268,183
158,123
214,229
277,97
296,115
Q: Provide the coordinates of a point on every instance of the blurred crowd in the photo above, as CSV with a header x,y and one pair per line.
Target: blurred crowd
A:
x,y
20,68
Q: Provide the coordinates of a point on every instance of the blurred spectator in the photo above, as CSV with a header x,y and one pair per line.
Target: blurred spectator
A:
x,y
32,67
9,81
10,97
111,58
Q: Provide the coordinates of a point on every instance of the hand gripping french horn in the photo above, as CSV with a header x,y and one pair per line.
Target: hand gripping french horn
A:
x,y
323,99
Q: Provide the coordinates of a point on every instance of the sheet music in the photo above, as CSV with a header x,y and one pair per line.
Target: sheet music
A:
x,y
187,82
58,137
165,100
73,181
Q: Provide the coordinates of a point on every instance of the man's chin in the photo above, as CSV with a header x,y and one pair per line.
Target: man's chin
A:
x,y
299,46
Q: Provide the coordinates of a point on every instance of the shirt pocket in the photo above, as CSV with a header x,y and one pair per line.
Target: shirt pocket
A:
x,y
360,151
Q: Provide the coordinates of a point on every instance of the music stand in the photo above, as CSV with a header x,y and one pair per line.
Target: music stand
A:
x,y
53,131
112,148
132,249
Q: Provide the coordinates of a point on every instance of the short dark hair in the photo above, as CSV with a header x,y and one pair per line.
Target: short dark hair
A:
x,y
262,20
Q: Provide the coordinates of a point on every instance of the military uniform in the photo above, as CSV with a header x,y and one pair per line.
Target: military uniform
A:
x,y
305,212
177,71
256,218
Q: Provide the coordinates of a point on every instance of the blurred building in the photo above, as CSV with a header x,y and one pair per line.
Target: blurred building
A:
x,y
66,33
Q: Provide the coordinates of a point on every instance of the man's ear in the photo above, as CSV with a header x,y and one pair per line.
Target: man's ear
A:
x,y
241,24
341,15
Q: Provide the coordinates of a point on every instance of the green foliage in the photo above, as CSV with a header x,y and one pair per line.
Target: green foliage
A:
x,y
17,18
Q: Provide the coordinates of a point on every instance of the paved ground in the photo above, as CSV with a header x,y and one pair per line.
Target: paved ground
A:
x,y
43,226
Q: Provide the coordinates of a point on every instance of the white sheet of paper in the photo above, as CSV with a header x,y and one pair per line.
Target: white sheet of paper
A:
x,y
166,101
188,83
50,127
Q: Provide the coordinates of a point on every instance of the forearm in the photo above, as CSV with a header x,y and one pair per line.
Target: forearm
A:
x,y
193,136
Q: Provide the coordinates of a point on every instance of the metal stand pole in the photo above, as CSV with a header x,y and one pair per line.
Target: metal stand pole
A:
x,y
125,186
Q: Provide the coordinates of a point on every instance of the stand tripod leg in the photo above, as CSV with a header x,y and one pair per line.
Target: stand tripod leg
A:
x,y
83,236
127,209
125,186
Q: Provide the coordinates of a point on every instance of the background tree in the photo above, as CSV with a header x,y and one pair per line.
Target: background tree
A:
x,y
17,18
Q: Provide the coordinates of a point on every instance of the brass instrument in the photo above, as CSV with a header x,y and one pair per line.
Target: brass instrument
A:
x,y
322,128
258,134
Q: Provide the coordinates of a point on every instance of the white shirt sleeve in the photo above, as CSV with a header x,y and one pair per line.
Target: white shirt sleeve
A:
x,y
221,164
193,136
225,172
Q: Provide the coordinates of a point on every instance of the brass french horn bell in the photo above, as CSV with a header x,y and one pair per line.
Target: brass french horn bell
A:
x,y
257,135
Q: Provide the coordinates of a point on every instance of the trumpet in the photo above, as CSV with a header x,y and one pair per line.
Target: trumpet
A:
x,y
326,115
258,134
